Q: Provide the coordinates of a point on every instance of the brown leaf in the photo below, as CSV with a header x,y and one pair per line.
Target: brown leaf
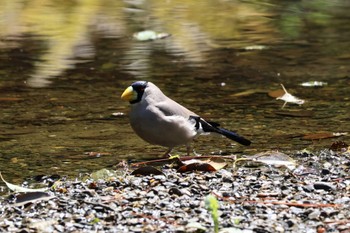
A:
x,y
24,198
10,99
248,92
208,165
316,136
197,167
276,93
339,146
146,170
217,163
295,113
268,194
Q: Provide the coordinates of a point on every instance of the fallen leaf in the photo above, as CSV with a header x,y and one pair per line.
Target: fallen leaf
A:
x,y
339,146
103,174
276,93
316,136
248,92
147,170
207,165
24,198
295,113
217,163
275,158
17,188
197,167
288,98
10,99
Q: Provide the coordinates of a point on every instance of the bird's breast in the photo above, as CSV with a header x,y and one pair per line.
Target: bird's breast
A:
x,y
156,128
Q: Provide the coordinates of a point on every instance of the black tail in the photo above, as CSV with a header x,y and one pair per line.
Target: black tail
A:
x,y
234,136
214,127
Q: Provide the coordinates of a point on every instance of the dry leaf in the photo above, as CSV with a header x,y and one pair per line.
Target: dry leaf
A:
x,y
30,197
247,92
276,93
339,146
197,167
316,136
288,98
275,158
17,188
295,113
10,99
146,171
208,165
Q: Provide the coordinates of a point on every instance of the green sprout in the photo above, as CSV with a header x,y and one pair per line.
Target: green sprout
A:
x,y
212,205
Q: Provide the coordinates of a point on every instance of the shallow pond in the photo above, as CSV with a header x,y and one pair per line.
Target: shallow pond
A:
x,y
63,67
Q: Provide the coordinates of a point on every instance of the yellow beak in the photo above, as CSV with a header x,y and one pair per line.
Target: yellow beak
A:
x,y
128,94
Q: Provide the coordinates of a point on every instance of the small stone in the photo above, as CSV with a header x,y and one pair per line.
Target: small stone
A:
x,y
324,185
325,171
296,210
279,229
290,223
184,184
175,191
308,188
314,215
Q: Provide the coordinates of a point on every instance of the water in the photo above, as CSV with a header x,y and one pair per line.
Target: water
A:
x,y
63,67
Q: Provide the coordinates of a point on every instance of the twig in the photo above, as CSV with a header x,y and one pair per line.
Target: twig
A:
x,y
338,222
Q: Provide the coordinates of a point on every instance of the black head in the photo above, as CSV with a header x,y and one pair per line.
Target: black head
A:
x,y
139,87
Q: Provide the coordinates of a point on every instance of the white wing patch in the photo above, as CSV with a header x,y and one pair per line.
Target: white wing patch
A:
x,y
199,130
185,124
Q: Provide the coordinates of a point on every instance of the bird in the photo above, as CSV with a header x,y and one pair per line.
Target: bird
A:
x,y
159,120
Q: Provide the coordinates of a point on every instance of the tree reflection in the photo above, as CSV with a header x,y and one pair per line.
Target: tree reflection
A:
x,y
64,30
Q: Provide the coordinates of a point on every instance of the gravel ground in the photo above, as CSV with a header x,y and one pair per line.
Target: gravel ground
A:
x,y
313,197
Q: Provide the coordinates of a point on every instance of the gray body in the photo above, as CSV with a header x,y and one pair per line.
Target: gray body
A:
x,y
159,120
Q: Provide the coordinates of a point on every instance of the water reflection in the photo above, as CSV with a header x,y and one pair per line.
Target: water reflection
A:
x,y
62,31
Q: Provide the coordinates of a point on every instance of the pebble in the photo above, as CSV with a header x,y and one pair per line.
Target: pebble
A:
x,y
324,185
315,215
250,199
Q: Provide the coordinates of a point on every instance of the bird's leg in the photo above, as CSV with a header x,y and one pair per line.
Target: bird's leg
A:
x,y
188,147
195,153
167,153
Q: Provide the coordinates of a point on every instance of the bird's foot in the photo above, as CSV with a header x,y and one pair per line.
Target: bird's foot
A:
x,y
196,154
167,153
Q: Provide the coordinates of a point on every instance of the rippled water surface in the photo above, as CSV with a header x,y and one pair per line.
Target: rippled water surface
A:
x,y
64,65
